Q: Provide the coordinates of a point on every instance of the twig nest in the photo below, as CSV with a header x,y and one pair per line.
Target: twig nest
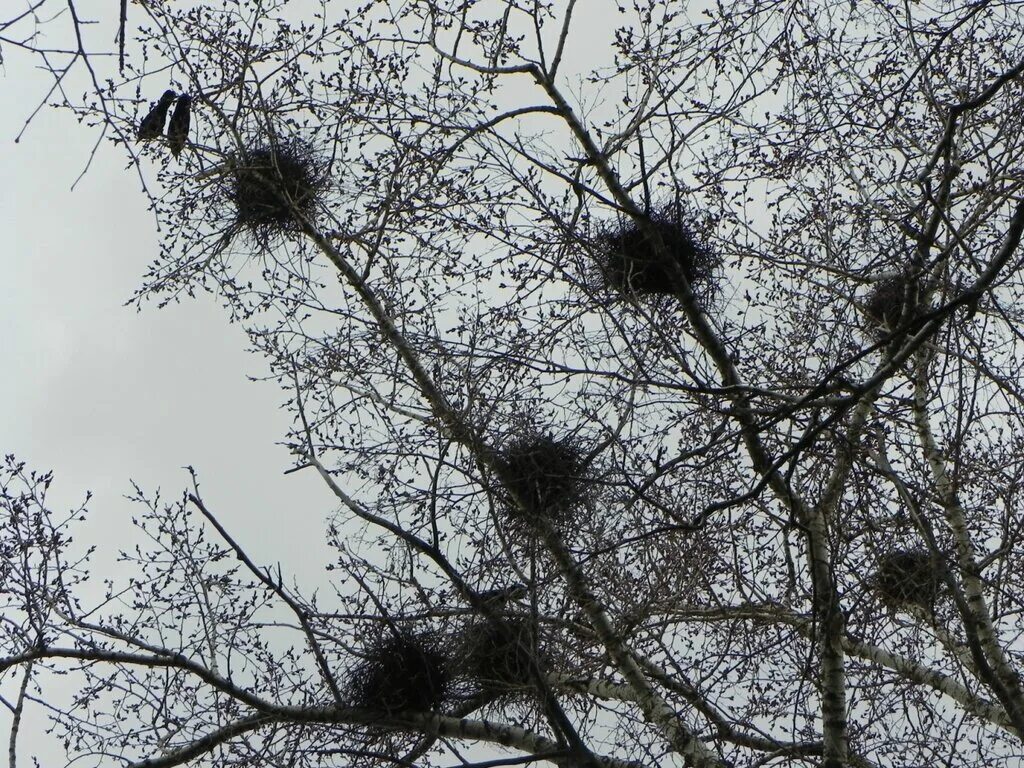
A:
x,y
647,258
498,656
271,184
892,303
543,478
909,577
401,672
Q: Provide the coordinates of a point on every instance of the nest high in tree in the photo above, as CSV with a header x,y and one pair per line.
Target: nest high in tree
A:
x,y
913,577
498,656
400,672
543,478
631,262
269,184
892,303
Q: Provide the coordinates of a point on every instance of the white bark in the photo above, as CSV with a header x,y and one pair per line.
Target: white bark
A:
x,y
979,621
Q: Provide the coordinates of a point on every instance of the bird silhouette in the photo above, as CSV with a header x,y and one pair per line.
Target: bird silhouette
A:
x,y
152,124
177,130
502,595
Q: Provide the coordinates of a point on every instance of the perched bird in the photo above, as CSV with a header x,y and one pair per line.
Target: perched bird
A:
x,y
502,595
177,130
152,125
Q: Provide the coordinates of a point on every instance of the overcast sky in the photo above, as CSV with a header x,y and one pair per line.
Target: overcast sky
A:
x,y
102,394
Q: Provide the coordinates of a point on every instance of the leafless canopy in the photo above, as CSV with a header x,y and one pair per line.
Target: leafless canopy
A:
x,y
746,466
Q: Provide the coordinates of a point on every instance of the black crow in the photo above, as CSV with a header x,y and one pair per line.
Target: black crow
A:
x,y
177,130
152,125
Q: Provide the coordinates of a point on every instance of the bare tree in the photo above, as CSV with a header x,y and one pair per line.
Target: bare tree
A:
x,y
662,361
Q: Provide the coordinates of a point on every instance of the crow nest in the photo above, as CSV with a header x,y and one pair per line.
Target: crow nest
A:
x,y
498,655
913,577
543,478
401,672
892,302
630,260
269,184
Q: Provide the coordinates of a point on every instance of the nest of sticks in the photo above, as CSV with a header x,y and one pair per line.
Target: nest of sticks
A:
x,y
892,303
909,577
499,655
543,478
648,258
401,672
273,187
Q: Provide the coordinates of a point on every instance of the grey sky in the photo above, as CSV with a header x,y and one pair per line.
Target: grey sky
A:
x,y
102,394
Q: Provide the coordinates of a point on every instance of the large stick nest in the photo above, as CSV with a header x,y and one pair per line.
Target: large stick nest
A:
x,y
913,577
400,672
892,303
543,477
270,184
632,261
499,656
